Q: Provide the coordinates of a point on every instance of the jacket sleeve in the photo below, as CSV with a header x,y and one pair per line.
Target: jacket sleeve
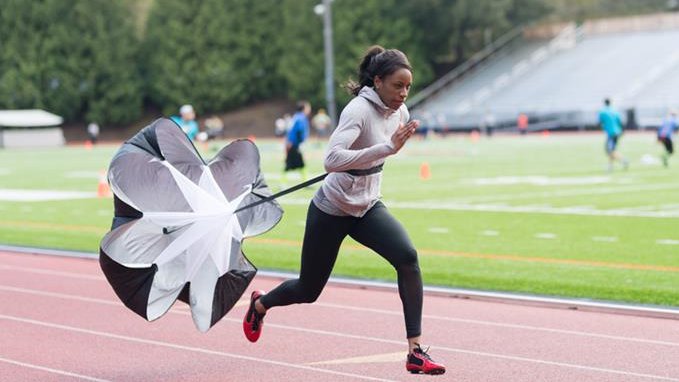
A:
x,y
339,156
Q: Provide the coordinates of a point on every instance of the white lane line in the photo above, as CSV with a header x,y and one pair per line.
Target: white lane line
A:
x,y
439,230
184,347
180,309
504,325
51,370
52,272
545,235
481,354
176,309
400,342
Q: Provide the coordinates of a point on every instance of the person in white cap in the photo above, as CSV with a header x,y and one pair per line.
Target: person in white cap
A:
x,y
187,121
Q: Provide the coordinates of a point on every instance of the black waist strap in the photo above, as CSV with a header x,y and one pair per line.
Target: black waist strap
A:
x,y
367,171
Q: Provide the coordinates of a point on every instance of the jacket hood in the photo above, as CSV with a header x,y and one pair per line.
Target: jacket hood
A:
x,y
371,95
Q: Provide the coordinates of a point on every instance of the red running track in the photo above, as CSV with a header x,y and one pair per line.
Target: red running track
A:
x,y
60,321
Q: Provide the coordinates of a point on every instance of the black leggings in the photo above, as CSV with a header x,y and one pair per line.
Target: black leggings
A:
x,y
377,230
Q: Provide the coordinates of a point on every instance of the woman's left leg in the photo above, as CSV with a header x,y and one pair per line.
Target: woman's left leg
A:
x,y
381,232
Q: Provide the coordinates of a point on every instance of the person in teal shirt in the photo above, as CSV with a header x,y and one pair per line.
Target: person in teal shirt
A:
x,y
611,123
187,121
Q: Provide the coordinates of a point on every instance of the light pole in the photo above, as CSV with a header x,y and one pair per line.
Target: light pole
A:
x,y
324,10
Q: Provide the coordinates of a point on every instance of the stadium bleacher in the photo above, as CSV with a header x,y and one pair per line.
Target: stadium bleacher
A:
x,y
560,82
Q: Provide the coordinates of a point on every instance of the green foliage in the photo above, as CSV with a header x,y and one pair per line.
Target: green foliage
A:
x,y
357,24
301,65
214,54
97,60
76,59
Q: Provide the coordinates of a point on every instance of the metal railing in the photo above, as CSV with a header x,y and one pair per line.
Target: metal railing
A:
x,y
481,56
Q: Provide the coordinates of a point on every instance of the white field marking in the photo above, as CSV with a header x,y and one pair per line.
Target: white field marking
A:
x,y
16,195
244,302
605,239
82,174
441,230
649,160
545,235
452,206
490,232
50,370
667,242
272,175
574,192
538,180
185,348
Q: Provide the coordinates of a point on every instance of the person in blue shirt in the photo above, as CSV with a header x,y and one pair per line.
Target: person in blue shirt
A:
x,y
611,123
665,131
187,121
298,133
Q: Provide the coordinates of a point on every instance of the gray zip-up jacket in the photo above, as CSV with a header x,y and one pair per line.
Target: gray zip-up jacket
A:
x,y
361,140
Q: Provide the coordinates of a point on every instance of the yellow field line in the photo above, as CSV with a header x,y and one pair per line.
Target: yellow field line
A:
x,y
435,252
548,260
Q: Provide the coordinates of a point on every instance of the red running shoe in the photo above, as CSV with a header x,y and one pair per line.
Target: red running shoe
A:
x,y
253,321
420,362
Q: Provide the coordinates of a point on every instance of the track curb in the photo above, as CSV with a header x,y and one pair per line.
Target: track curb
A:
x,y
655,311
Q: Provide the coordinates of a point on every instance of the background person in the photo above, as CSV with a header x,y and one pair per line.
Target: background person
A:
x,y
93,132
611,123
187,121
373,126
665,131
299,132
321,123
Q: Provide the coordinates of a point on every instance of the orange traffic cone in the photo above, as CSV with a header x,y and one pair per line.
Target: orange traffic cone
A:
x,y
252,138
103,189
474,135
88,145
425,172
545,133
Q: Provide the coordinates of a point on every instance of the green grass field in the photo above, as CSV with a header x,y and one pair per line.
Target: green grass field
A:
x,y
528,214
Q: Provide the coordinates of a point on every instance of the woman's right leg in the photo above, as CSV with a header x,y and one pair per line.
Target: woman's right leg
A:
x,y
322,239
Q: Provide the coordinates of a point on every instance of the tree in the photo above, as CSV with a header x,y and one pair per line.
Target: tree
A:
x,y
215,54
76,59
357,24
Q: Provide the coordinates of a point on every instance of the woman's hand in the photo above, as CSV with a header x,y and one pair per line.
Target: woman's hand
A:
x,y
403,133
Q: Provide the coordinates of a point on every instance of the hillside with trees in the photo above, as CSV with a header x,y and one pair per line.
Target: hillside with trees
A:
x,y
115,61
